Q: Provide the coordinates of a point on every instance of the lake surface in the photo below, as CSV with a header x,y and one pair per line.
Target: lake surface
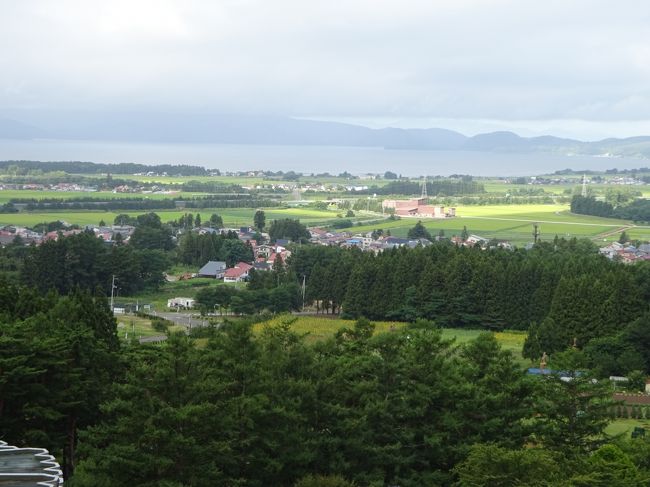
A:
x,y
308,159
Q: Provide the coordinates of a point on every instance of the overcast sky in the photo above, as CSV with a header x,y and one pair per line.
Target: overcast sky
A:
x,y
578,68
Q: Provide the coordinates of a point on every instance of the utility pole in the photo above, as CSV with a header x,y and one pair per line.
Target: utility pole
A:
x,y
113,286
304,278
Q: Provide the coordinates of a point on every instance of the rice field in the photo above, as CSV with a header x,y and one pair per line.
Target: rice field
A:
x,y
316,328
504,222
232,217
515,224
9,194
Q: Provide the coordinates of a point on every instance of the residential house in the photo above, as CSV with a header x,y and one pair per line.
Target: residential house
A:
x,y
214,269
238,273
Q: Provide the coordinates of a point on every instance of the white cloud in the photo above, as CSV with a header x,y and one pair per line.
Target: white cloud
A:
x,y
501,60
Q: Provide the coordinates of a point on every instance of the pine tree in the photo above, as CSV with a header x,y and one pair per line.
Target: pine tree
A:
x,y
259,220
419,231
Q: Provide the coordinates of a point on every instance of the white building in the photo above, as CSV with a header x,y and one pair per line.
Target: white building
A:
x,y
186,303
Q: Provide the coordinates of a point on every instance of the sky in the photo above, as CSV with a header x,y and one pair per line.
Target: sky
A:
x,y
571,68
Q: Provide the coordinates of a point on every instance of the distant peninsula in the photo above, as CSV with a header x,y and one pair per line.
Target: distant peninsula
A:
x,y
275,130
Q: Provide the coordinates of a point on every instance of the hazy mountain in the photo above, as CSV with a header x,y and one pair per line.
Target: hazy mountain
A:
x,y
274,130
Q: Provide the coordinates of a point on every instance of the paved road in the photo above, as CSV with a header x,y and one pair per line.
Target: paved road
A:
x,y
187,320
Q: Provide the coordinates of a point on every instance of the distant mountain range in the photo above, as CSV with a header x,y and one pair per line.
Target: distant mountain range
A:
x,y
267,130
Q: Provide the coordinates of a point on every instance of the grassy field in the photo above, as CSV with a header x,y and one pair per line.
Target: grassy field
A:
x,y
233,217
320,328
506,222
130,325
242,180
625,426
9,194
185,289
515,223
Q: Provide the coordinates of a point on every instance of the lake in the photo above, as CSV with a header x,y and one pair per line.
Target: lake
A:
x,y
308,159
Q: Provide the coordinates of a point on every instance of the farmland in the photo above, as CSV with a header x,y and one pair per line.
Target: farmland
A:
x,y
506,222
9,194
322,327
231,216
131,326
515,223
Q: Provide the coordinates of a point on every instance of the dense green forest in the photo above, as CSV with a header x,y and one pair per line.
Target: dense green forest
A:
x,y
402,408
560,291
194,249
85,261
637,210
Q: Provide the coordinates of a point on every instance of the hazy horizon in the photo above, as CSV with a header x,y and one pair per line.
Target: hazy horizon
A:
x,y
577,69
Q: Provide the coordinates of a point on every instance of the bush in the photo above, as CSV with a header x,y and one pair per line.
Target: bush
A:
x,y
160,324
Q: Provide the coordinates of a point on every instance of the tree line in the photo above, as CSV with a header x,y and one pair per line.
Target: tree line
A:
x,y
79,167
85,261
142,203
196,250
406,407
561,291
446,187
270,407
637,210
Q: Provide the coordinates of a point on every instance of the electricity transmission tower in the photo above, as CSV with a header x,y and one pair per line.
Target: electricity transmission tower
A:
x,y
424,189
535,232
584,185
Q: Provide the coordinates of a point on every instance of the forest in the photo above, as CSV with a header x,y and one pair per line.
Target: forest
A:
x,y
228,406
637,210
561,292
401,408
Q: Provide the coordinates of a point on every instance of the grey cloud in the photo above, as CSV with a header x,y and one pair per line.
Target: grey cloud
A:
x,y
502,59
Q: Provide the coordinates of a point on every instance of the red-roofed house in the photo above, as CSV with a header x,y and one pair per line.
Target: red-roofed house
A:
x,y
237,273
284,255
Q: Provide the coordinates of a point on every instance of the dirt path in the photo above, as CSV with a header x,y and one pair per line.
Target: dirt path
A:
x,y
613,232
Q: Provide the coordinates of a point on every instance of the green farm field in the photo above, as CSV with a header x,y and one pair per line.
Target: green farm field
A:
x,y
233,217
241,180
321,327
9,194
186,289
515,223
129,326
506,222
